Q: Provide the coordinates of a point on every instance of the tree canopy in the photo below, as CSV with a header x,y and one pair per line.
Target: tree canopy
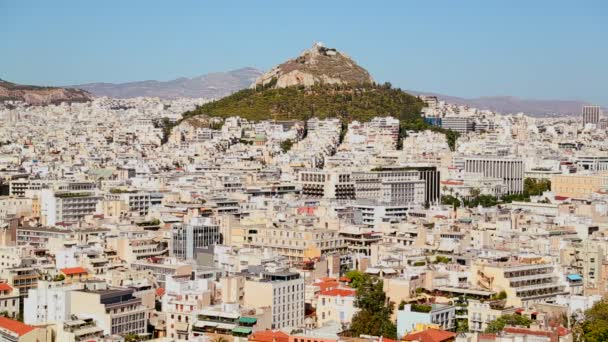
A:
x,y
501,322
356,278
595,325
347,102
374,315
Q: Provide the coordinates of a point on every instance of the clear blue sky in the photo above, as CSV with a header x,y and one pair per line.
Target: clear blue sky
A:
x,y
531,48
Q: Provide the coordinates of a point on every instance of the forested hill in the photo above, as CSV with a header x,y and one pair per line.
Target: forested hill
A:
x,y
347,102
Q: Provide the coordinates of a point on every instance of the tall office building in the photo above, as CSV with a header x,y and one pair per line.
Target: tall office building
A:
x,y
591,114
201,232
511,170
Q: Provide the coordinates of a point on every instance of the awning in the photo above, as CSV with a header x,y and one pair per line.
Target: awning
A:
x,y
574,277
242,330
202,324
248,320
225,326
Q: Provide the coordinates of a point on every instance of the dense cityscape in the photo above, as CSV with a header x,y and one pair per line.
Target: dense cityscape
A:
x,y
307,203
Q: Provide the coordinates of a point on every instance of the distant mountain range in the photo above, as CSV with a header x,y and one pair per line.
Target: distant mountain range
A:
x,y
221,84
510,104
36,95
296,71
212,85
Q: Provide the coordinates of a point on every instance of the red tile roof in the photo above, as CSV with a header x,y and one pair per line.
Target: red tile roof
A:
x,y
5,287
73,270
328,285
269,336
326,279
15,326
339,292
430,335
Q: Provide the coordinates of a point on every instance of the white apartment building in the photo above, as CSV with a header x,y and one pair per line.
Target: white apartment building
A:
x,y
136,202
283,293
201,232
336,306
48,303
327,184
458,124
67,206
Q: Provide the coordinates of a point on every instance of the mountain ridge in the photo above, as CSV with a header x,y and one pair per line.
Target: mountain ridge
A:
x,y
41,95
210,85
506,104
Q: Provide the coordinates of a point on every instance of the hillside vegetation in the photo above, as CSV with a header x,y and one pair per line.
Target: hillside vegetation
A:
x,y
362,103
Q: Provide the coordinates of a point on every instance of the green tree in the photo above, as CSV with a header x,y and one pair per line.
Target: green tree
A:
x,y
374,315
402,305
501,322
475,192
500,296
132,337
462,325
286,145
595,325
356,278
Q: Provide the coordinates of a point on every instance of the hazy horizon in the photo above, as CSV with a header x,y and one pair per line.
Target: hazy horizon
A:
x,y
541,50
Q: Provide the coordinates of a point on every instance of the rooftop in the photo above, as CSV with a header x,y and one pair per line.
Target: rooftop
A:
x,y
15,326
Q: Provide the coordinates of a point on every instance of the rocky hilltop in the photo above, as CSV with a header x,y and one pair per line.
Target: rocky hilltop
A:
x,y
317,65
321,83
212,85
36,95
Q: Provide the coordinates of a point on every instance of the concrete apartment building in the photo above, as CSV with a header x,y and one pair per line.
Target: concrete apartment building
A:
x,y
480,313
49,302
39,237
585,260
510,170
336,306
67,206
458,124
297,243
9,300
443,316
371,213
115,310
11,206
137,203
283,293
327,184
526,281
199,233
